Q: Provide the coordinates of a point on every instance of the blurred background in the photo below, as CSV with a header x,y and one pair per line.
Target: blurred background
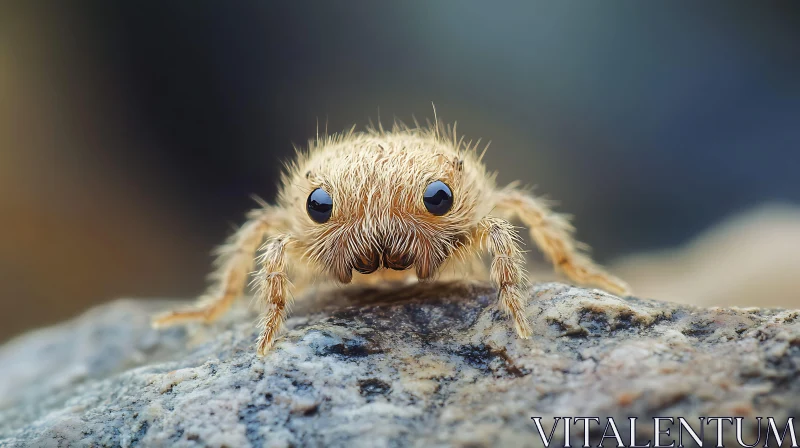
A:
x,y
132,134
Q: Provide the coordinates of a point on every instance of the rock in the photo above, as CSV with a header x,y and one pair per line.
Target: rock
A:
x,y
423,365
731,263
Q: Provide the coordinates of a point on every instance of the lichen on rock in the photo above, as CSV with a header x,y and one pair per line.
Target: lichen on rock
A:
x,y
426,365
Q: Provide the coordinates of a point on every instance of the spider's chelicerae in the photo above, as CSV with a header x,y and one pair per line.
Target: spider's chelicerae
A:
x,y
389,205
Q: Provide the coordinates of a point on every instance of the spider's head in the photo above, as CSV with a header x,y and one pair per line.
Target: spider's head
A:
x,y
385,201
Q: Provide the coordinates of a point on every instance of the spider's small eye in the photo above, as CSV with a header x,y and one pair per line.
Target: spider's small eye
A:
x,y
438,198
319,205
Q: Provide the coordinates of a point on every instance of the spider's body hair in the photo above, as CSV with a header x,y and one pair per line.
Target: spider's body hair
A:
x,y
375,179
379,226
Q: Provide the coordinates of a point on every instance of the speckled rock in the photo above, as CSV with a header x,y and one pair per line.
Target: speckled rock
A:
x,y
425,365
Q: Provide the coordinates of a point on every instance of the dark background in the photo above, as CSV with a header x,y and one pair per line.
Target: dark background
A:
x,y
132,134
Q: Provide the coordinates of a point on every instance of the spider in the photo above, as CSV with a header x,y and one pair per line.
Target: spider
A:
x,y
390,205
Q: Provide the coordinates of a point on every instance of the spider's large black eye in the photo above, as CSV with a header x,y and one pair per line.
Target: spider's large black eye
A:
x,y
438,198
319,205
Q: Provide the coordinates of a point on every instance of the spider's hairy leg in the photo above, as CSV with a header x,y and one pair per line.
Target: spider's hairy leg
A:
x,y
507,272
272,290
233,264
553,234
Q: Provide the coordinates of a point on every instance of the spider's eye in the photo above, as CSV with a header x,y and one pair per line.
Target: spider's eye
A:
x,y
319,205
438,198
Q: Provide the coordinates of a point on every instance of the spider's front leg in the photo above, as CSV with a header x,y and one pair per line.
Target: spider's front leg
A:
x,y
553,234
272,290
233,264
507,271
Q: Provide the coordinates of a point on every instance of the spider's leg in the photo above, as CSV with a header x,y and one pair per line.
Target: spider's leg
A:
x,y
507,272
272,290
233,264
553,234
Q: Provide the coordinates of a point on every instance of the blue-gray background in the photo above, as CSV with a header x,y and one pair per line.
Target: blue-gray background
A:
x,y
139,129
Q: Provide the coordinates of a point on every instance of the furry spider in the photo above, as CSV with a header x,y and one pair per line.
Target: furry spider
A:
x,y
381,202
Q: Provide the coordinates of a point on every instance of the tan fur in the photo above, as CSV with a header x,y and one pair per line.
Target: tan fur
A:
x,y
377,179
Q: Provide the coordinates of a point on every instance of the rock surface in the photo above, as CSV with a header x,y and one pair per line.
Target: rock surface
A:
x,y
426,365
